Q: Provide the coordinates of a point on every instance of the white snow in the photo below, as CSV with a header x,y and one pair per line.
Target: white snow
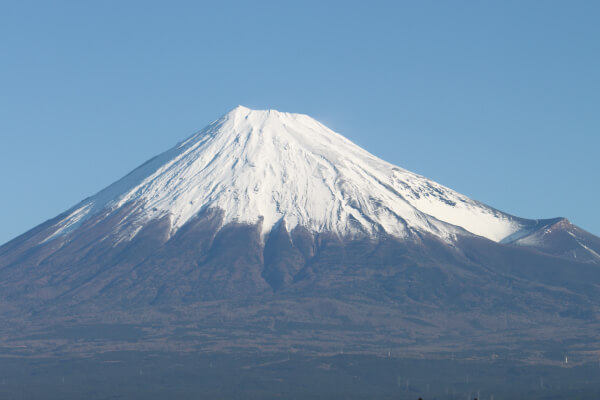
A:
x,y
71,221
271,165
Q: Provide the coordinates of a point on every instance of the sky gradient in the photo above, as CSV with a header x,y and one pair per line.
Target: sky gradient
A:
x,y
497,100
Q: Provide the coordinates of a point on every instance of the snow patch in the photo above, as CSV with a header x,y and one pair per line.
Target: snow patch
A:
x,y
72,221
591,251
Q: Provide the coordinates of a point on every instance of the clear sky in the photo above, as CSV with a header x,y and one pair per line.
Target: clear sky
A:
x,y
497,100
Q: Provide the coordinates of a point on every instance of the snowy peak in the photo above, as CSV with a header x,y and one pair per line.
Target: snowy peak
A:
x,y
270,166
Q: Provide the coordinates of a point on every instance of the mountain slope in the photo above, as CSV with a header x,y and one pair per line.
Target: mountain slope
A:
x,y
273,166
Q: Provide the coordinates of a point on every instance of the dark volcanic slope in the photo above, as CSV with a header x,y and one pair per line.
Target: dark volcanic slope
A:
x,y
315,292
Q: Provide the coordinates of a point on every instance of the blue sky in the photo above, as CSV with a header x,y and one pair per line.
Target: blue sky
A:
x,y
498,100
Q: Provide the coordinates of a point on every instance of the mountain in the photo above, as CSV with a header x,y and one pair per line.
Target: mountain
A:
x,y
273,167
267,230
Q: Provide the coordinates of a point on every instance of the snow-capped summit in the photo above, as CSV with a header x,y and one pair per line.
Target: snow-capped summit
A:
x,y
269,166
